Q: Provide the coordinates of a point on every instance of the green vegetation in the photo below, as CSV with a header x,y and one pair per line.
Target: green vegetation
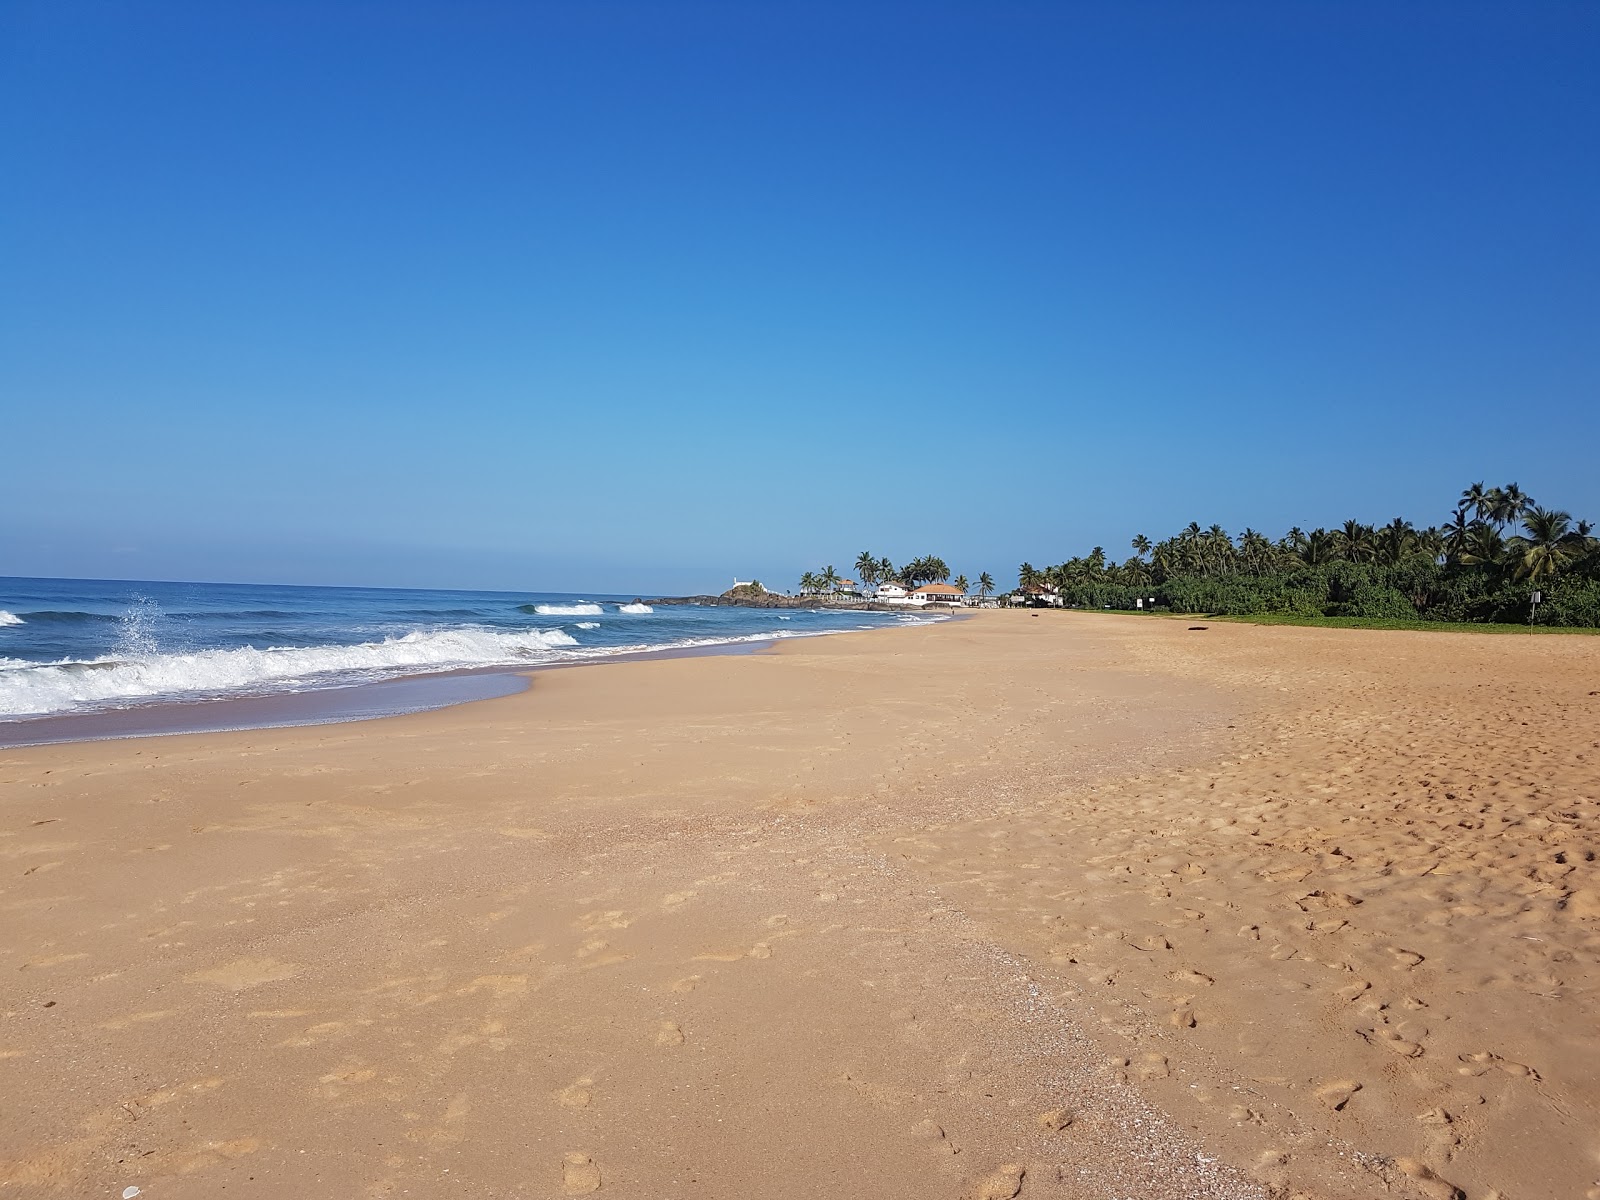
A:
x,y
872,571
1474,569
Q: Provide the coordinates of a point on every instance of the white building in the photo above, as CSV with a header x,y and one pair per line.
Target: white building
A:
x,y
890,592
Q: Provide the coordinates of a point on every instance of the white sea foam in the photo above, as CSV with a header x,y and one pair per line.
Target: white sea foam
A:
x,y
588,624
634,608
586,609
29,689
7,618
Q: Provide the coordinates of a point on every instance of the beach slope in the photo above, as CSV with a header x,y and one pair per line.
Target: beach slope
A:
x,y
1017,905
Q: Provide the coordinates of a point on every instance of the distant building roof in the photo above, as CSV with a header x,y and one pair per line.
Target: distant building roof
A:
x,y
938,589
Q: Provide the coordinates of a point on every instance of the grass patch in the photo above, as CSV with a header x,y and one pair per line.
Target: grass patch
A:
x,y
1349,622
1398,623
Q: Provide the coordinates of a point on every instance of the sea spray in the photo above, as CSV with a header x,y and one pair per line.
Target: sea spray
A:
x,y
36,689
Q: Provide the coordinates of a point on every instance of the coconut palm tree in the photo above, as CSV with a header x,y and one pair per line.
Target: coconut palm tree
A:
x,y
1319,548
829,580
1355,541
808,583
1457,532
961,582
1485,547
985,584
1551,543
867,568
1027,576
1510,503
1141,545
1394,541
1477,499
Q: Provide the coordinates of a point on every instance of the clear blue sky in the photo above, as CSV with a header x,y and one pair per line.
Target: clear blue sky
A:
x,y
637,296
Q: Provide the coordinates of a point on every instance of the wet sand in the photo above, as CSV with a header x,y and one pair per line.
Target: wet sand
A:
x,y
1057,905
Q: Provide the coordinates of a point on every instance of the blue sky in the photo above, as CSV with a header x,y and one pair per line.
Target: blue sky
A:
x,y
638,296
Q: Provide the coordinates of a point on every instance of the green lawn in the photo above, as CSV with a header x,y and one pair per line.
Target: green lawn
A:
x,y
1358,622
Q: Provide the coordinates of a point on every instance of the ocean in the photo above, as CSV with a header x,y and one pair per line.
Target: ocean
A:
x,y
80,648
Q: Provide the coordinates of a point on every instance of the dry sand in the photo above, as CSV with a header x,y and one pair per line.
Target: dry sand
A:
x,y
1058,905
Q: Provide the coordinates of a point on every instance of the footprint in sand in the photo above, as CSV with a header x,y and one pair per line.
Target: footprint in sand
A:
x,y
686,985
1352,992
1427,1180
576,1095
932,1134
1003,1184
669,1033
1391,1041
1337,1093
580,1174
1057,1120
1479,1064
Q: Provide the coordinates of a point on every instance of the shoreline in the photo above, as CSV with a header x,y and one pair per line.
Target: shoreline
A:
x,y
340,705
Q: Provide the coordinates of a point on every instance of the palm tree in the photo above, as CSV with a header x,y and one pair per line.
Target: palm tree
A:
x,y
808,584
885,570
1319,547
985,584
828,581
1457,532
1476,498
1395,540
1550,544
1514,502
867,568
961,582
1485,546
1141,545
1355,541
1430,541
1027,576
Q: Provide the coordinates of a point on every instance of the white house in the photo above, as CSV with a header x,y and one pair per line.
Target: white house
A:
x,y
890,592
937,593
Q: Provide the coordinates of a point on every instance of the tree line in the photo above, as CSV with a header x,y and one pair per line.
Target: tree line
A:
x,y
930,568
1485,563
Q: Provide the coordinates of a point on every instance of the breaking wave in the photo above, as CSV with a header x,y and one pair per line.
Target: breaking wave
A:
x,y
588,624
38,689
634,608
563,610
7,618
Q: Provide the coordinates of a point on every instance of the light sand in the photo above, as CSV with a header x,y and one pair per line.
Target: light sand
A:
x,y
1049,905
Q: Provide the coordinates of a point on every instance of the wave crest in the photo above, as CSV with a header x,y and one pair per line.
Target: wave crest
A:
x,y
33,689
586,609
634,608
7,618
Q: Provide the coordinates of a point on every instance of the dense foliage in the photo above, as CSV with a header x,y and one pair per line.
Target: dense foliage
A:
x,y
1484,564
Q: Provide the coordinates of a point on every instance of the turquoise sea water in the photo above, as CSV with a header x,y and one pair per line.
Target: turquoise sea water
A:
x,y
70,646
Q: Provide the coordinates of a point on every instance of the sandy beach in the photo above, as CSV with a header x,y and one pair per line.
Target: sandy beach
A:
x,y
1041,905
